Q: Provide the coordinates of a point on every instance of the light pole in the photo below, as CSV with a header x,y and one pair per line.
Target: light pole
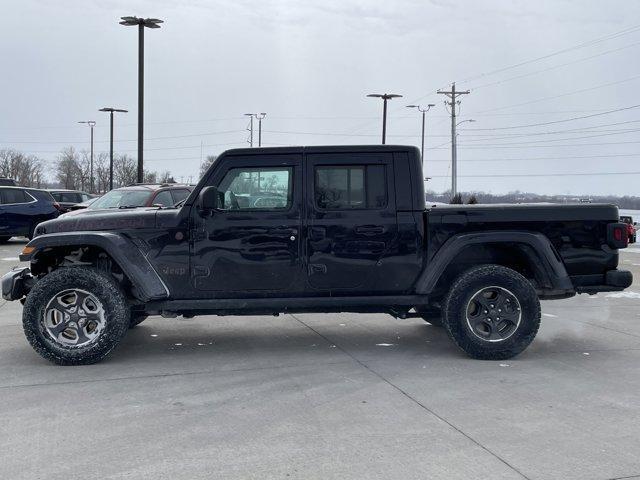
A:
x,y
141,23
423,111
260,116
111,110
91,124
384,97
454,158
250,115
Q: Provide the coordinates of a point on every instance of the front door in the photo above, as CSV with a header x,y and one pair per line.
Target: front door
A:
x,y
251,245
352,227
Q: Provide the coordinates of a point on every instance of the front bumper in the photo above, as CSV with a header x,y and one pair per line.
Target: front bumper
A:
x,y
17,283
614,281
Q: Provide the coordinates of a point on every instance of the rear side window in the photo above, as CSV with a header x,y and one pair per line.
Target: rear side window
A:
x,y
68,197
12,196
350,187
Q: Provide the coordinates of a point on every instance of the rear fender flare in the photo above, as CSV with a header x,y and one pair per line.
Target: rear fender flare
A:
x,y
545,260
132,261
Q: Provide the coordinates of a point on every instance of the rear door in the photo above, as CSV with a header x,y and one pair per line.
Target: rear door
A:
x,y
18,209
351,220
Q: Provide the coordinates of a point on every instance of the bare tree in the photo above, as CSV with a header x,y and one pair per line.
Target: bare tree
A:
x,y
101,172
125,170
67,169
204,166
26,170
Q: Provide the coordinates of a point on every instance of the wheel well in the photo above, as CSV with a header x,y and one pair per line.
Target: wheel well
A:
x,y
52,258
514,256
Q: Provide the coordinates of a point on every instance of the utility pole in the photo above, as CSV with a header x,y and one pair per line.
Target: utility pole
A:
x,y
111,110
260,116
250,128
384,97
453,103
423,111
92,124
141,23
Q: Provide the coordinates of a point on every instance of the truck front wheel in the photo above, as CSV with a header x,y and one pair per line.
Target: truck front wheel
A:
x,y
492,312
75,316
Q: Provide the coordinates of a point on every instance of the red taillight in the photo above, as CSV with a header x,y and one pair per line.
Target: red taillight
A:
x,y
618,234
57,206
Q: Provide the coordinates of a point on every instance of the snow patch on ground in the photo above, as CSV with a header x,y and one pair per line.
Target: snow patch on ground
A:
x,y
385,344
550,315
10,259
623,295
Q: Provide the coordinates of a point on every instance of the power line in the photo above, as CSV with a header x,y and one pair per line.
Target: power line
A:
x,y
555,121
588,43
543,175
531,159
575,92
554,67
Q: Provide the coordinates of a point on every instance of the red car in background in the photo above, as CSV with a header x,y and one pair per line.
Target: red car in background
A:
x,y
142,195
631,227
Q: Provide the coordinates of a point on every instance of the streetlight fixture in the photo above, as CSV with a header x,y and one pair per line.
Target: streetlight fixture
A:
x,y
141,23
111,110
454,158
91,124
384,97
260,116
423,111
250,128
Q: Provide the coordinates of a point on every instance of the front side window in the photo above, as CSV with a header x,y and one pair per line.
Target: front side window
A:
x,y
266,188
179,195
163,199
340,187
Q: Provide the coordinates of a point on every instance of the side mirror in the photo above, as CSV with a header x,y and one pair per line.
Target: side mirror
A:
x,y
210,199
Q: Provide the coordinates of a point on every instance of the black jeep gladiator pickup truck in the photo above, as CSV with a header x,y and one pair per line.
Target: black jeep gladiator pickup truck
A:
x,y
312,229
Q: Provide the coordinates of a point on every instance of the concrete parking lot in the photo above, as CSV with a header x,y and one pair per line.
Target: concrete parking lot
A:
x,y
340,396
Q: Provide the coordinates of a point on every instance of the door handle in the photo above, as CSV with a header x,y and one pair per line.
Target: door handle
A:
x,y
370,230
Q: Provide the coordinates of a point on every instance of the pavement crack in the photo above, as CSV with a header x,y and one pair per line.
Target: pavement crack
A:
x,y
414,400
162,375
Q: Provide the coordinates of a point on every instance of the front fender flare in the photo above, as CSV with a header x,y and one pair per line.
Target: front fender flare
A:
x,y
132,261
536,246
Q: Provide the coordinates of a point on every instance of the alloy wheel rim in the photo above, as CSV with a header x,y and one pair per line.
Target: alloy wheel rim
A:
x,y
74,318
493,314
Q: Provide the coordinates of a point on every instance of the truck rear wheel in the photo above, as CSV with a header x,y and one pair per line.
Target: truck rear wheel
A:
x,y
75,316
492,312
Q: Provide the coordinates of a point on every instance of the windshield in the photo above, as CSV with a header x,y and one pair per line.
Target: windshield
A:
x,y
122,198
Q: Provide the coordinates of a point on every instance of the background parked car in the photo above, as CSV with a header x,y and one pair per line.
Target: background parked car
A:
x,y
9,182
68,198
21,209
143,195
631,227
83,205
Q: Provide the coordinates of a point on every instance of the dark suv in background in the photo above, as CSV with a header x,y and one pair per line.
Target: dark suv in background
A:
x,y
143,195
21,209
69,198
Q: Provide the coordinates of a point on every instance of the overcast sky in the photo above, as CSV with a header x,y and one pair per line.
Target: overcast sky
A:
x,y
309,65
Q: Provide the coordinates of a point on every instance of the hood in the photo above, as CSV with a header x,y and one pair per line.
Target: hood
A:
x,y
93,220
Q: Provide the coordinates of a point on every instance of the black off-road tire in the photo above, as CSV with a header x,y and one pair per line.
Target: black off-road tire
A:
x,y
431,315
137,319
459,298
103,287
